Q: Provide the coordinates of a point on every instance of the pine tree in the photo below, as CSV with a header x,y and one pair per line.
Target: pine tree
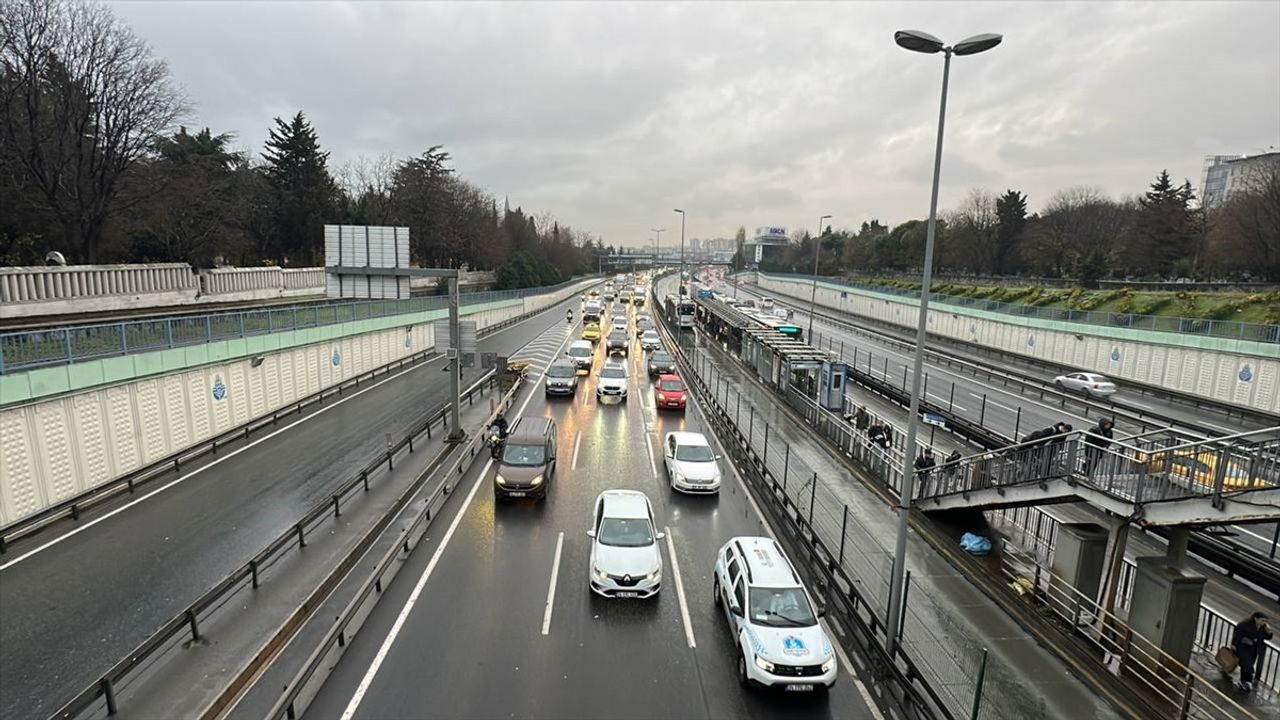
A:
x,y
304,191
1011,222
1166,227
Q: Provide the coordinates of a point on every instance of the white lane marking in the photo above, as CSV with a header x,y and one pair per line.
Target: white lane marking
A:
x,y
551,589
365,682
684,605
202,468
942,400
577,445
648,448
992,402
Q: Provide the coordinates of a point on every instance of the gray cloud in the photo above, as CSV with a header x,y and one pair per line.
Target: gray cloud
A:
x,y
609,114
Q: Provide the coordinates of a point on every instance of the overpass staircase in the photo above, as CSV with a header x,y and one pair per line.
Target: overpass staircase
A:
x,y
1159,478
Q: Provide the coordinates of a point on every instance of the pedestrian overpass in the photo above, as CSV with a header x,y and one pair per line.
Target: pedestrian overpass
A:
x,y
1159,478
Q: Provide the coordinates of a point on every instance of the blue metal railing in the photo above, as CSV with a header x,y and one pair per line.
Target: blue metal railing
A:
x,y
30,349
1227,329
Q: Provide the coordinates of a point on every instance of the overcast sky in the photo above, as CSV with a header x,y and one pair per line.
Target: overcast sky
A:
x,y
608,115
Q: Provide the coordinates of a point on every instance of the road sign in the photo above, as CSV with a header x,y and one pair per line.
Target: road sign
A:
x,y
931,419
488,361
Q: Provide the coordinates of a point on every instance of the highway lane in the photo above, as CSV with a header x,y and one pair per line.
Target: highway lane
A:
x,y
472,644
74,600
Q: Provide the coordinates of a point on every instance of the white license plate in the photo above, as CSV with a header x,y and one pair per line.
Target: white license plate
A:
x,y
628,594
517,493
673,404
799,688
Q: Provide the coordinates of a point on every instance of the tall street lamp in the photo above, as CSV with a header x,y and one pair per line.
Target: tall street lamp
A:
x,y
813,296
921,42
683,292
657,243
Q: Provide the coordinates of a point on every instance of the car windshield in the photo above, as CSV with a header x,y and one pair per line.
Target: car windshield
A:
x,y
524,455
579,351
561,371
671,386
694,453
625,532
613,373
781,607
660,359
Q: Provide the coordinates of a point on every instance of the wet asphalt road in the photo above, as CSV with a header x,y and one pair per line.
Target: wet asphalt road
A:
x,y
72,609
472,645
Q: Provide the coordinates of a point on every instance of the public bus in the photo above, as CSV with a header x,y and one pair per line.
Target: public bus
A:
x,y
679,311
782,326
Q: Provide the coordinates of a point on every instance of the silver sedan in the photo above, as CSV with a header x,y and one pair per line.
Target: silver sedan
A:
x,y
1090,384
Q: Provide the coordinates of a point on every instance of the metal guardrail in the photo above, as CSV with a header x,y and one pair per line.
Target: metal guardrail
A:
x,y
187,622
30,349
1228,329
1178,690
1039,530
289,705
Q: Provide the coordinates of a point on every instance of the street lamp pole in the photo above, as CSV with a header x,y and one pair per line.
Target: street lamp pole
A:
x,y
681,250
922,42
813,295
657,243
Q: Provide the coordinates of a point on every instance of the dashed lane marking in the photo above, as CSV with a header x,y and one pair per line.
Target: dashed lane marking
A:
x,y
551,588
684,605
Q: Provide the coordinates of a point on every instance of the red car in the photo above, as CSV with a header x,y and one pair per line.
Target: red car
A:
x,y
669,392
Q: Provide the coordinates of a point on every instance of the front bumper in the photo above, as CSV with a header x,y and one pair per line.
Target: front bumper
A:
x,y
612,588
561,389
519,492
611,392
669,404
695,487
785,680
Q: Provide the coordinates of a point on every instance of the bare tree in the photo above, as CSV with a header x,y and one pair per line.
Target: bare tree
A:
x,y
367,183
82,99
1249,226
973,233
1077,222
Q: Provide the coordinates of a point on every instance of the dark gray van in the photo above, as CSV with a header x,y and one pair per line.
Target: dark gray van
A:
x,y
528,461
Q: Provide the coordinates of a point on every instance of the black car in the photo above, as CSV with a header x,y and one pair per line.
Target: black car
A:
x,y
661,363
617,342
562,378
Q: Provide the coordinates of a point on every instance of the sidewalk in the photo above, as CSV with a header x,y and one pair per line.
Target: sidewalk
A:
x,y
949,622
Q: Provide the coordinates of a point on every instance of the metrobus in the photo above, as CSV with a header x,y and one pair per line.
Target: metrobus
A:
x,y
782,326
679,311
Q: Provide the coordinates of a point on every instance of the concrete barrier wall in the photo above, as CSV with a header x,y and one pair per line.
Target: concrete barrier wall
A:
x,y
1242,373
57,448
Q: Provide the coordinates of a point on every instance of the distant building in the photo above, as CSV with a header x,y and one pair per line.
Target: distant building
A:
x,y
765,240
1227,174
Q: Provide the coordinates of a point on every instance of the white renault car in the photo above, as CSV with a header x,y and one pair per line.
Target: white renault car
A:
x,y
691,463
1090,384
626,561
612,381
772,618
650,340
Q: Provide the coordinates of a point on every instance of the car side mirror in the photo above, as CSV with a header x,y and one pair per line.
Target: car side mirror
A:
x,y
719,456
662,535
735,608
591,533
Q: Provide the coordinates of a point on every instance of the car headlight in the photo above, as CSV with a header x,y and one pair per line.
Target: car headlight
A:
x,y
763,664
829,665
715,480
677,476
599,575
499,479
536,481
654,576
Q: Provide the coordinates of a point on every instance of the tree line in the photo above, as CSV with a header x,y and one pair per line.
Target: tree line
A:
x,y
1081,233
94,164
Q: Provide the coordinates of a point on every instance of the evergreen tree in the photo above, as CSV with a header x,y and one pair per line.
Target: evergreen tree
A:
x,y
1011,223
303,191
1166,227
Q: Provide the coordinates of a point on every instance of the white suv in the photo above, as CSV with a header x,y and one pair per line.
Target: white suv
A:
x,y
626,561
772,617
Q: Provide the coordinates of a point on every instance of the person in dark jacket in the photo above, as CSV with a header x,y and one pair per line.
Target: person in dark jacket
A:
x,y
860,419
1249,640
924,464
1099,438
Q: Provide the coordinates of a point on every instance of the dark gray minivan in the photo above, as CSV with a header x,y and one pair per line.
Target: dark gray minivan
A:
x,y
528,460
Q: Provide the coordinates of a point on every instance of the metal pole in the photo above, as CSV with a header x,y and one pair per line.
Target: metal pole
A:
x,y
813,295
455,365
913,416
977,689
